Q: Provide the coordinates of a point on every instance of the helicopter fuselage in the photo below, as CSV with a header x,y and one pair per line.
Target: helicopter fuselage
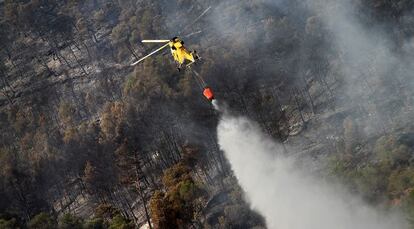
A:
x,y
180,52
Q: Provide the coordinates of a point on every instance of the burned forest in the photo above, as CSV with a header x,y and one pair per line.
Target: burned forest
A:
x,y
89,141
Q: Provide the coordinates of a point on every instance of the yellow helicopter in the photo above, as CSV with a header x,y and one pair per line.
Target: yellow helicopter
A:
x,y
182,56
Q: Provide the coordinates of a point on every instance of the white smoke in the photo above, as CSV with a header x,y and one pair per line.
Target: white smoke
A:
x,y
286,195
375,64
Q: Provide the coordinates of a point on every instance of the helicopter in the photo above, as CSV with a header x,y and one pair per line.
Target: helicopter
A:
x,y
182,56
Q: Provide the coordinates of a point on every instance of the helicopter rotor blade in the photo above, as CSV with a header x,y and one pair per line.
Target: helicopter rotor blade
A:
x,y
195,20
154,41
193,33
152,53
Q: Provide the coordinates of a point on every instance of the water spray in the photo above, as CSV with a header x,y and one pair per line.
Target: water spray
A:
x,y
286,194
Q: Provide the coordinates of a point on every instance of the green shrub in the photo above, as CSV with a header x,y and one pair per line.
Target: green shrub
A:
x,y
69,221
42,221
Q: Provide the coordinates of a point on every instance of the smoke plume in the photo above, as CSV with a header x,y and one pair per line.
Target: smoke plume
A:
x,y
287,195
